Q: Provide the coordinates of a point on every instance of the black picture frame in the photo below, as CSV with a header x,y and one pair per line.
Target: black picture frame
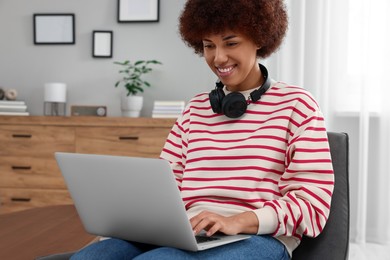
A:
x,y
136,11
54,28
102,43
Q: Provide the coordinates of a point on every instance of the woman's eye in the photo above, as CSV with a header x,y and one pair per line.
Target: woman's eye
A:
x,y
231,44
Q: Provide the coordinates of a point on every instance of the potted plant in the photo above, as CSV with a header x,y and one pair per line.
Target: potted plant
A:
x,y
131,103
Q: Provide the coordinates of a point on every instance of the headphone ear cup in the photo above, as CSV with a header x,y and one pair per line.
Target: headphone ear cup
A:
x,y
216,97
234,105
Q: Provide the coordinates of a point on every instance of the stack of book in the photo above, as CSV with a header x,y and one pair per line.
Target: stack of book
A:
x,y
167,109
13,108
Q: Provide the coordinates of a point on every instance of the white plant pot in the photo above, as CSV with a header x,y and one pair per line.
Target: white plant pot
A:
x,y
131,106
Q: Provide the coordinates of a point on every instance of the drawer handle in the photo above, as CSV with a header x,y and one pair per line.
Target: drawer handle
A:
x,y
21,167
128,137
21,136
21,199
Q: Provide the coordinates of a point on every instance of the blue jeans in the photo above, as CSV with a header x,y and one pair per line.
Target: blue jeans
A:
x,y
257,247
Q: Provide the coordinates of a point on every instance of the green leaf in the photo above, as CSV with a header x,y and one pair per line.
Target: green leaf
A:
x,y
154,62
139,62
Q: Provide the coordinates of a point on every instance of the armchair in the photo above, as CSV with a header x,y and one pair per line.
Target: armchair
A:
x,y
333,242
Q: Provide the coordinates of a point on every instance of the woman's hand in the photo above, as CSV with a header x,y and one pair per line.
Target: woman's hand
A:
x,y
245,222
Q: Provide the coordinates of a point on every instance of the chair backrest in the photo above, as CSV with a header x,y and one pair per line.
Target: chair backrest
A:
x,y
333,241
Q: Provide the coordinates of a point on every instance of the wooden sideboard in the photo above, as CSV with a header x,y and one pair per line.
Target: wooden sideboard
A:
x,y
29,175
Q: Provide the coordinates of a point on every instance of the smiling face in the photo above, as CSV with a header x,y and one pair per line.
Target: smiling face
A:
x,y
232,57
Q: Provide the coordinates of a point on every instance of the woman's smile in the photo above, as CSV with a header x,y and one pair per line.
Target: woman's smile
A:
x,y
225,71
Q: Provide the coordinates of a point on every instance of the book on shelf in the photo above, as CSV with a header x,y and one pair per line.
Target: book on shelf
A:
x,y
12,103
169,103
13,108
165,115
14,113
167,109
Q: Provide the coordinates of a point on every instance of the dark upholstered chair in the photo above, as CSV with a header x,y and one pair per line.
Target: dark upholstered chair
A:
x,y
333,242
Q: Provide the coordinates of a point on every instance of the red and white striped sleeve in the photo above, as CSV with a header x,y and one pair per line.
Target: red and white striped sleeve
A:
x,y
306,185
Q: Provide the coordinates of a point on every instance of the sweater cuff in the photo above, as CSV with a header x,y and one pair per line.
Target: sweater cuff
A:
x,y
268,220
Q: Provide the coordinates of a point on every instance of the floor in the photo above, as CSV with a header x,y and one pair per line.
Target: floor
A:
x,y
369,252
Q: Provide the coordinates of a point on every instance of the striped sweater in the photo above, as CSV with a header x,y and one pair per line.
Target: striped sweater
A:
x,y
274,161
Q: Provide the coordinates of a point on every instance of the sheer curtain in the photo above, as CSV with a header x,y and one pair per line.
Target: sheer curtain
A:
x,y
338,50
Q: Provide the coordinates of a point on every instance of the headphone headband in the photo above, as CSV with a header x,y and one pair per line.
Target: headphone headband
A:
x,y
256,94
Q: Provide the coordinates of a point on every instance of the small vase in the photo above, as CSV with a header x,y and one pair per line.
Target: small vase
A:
x,y
131,106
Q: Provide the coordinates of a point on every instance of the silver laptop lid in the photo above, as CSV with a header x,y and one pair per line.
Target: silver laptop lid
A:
x,y
135,199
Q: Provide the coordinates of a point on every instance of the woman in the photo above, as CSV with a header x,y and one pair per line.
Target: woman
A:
x,y
252,155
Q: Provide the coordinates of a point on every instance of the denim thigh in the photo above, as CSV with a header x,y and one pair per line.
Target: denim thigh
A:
x,y
257,247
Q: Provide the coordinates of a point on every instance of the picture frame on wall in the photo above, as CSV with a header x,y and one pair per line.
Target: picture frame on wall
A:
x,y
102,42
54,28
138,11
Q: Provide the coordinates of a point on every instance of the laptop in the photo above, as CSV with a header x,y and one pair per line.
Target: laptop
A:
x,y
131,198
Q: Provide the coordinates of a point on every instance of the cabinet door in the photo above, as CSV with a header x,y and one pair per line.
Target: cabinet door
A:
x,y
136,141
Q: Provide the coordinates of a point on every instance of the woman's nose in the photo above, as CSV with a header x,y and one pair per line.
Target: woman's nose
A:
x,y
220,56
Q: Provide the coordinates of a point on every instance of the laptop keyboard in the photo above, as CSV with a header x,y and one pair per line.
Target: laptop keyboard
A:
x,y
202,239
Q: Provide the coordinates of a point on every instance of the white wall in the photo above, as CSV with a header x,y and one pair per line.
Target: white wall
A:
x,y
26,67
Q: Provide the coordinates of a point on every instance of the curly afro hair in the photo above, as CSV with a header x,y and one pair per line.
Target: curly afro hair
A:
x,y
263,21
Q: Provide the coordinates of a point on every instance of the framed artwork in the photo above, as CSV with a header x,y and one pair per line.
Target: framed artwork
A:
x,y
138,11
102,44
53,28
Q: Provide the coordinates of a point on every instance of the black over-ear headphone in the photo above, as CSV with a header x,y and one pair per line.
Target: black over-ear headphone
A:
x,y
234,104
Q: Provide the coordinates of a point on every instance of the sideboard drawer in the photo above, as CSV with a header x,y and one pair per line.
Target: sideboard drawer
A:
x,y
30,172
35,140
135,141
20,199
